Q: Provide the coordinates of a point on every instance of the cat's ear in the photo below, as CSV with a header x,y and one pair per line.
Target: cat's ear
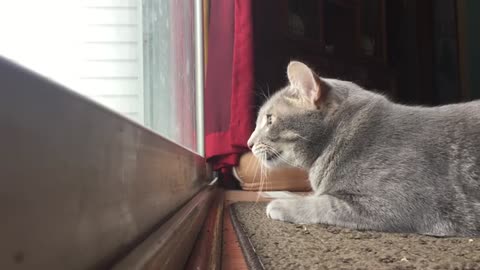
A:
x,y
304,80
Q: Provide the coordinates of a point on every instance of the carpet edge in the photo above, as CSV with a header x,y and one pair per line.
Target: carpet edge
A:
x,y
251,257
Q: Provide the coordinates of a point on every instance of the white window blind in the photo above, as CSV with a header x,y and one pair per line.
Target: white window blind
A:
x,y
93,47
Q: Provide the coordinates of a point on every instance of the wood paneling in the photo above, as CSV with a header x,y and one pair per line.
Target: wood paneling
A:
x,y
169,247
206,254
80,185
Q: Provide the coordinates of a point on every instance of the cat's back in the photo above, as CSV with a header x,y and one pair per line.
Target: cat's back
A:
x,y
423,142
463,111
434,142
458,120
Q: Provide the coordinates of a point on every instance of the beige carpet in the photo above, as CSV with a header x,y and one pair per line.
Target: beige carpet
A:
x,y
269,244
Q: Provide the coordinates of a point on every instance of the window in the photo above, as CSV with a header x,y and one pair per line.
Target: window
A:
x,y
136,57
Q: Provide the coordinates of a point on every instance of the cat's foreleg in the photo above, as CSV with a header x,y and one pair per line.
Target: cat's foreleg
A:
x,y
324,209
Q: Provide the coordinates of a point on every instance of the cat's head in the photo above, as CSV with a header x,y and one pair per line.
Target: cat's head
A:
x,y
294,119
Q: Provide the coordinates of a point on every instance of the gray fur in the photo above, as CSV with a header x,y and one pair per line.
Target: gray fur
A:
x,y
373,164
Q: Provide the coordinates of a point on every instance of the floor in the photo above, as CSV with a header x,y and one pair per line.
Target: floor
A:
x,y
282,245
232,256
402,250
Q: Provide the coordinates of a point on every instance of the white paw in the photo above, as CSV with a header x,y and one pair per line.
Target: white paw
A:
x,y
276,210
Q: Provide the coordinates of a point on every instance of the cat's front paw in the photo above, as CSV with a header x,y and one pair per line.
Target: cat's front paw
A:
x,y
278,209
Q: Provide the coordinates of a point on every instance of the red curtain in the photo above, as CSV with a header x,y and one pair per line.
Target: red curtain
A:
x,y
229,92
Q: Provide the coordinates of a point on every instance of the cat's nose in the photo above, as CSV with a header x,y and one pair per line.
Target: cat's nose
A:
x,y
251,140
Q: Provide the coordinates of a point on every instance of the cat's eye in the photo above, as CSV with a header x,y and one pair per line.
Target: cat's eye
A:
x,y
269,119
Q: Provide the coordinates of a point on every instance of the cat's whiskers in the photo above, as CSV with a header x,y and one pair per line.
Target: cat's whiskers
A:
x,y
265,181
303,138
249,164
277,155
261,176
266,170
267,173
264,157
255,174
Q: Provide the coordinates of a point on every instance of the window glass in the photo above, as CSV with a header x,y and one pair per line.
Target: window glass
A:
x,y
135,57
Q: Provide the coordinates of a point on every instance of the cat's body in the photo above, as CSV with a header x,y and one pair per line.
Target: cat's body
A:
x,y
373,164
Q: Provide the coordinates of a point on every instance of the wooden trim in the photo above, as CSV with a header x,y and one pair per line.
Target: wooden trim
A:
x,y
232,196
232,255
170,246
79,179
208,249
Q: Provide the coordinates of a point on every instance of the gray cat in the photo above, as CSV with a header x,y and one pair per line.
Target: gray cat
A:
x,y
373,164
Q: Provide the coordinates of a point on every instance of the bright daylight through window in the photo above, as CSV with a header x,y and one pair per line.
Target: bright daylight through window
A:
x,y
136,57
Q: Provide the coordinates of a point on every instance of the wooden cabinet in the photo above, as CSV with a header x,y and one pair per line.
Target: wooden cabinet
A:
x,y
345,39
